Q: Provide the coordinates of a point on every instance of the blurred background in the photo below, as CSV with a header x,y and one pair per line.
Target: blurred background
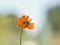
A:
x,y
44,13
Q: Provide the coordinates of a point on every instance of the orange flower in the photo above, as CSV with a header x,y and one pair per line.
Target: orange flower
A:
x,y
24,22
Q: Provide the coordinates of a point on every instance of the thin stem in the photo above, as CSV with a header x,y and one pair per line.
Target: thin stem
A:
x,y
21,30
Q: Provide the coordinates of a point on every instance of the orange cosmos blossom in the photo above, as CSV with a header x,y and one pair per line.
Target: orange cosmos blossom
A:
x,y
25,22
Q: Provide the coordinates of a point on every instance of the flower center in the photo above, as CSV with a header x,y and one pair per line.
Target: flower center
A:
x,y
26,23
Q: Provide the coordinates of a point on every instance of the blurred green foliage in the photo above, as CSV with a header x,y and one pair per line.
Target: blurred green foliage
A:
x,y
50,34
8,31
54,17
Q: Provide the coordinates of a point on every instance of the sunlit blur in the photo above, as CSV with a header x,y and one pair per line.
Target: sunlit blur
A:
x,y
45,15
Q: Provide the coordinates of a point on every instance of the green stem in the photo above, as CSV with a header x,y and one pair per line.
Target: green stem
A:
x,y
21,30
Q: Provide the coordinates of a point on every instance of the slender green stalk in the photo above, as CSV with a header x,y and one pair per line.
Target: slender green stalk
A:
x,y
21,30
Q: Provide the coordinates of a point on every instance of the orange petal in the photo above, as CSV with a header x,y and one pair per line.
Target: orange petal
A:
x,y
22,19
23,26
25,18
30,26
19,21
